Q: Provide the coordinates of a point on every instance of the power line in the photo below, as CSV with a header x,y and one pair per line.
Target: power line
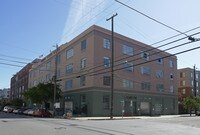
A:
x,y
2,63
148,51
175,36
152,18
149,60
14,61
93,73
14,57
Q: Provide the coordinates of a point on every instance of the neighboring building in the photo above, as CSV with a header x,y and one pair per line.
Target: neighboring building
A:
x,y
19,82
144,82
4,95
186,85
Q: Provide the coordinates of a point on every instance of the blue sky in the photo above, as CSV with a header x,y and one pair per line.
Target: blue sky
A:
x,y
30,28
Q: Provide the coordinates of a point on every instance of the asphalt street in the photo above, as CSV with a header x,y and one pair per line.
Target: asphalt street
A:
x,y
174,125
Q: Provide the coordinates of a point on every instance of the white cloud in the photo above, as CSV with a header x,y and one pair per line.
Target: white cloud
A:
x,y
81,13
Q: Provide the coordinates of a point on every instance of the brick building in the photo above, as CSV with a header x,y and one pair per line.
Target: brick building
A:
x,y
186,85
19,82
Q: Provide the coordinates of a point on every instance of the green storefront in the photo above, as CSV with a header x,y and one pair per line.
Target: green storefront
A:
x,y
97,103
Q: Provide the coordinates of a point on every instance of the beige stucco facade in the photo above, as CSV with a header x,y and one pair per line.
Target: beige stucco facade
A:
x,y
83,66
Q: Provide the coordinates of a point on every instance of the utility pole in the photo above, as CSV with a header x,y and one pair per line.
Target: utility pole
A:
x,y
55,80
195,86
112,63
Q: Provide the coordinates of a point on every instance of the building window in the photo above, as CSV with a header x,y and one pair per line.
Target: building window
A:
x,y
127,83
182,74
48,77
82,81
182,83
191,74
106,43
128,66
48,66
160,60
145,70
159,74
70,53
106,102
68,84
57,59
127,50
145,55
192,83
145,85
34,73
171,64
160,87
197,76
183,91
106,62
171,89
58,73
171,76
69,68
42,69
106,80
83,63
83,45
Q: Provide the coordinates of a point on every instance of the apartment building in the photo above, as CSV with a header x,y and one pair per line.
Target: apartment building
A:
x,y
144,83
186,87
19,82
4,95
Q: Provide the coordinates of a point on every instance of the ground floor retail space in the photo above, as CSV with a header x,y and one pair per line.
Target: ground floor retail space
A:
x,y
98,103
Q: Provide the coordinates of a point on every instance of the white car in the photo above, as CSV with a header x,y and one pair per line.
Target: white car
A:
x,y
5,109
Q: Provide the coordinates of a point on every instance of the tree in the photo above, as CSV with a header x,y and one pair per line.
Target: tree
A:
x,y
17,102
42,93
192,103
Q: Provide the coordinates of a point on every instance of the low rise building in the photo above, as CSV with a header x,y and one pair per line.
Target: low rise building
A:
x,y
4,95
145,78
19,82
186,86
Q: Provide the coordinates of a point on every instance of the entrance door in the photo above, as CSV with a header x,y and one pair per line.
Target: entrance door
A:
x,y
145,108
130,108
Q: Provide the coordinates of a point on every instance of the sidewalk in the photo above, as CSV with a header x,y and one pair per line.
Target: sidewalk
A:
x,y
130,117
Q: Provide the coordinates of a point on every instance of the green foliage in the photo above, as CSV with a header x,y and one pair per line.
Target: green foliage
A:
x,y
192,103
189,103
17,102
42,93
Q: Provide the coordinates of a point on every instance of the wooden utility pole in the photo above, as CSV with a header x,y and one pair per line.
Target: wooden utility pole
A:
x,y
112,63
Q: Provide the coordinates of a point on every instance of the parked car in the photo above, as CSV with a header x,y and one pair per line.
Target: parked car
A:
x,y
42,113
21,110
15,111
5,109
26,111
10,109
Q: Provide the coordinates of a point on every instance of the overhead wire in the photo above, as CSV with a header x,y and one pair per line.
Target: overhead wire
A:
x,y
14,61
95,72
147,50
151,18
151,60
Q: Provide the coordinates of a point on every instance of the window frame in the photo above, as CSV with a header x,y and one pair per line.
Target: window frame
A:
x,y
70,53
83,44
106,43
106,62
126,50
83,63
